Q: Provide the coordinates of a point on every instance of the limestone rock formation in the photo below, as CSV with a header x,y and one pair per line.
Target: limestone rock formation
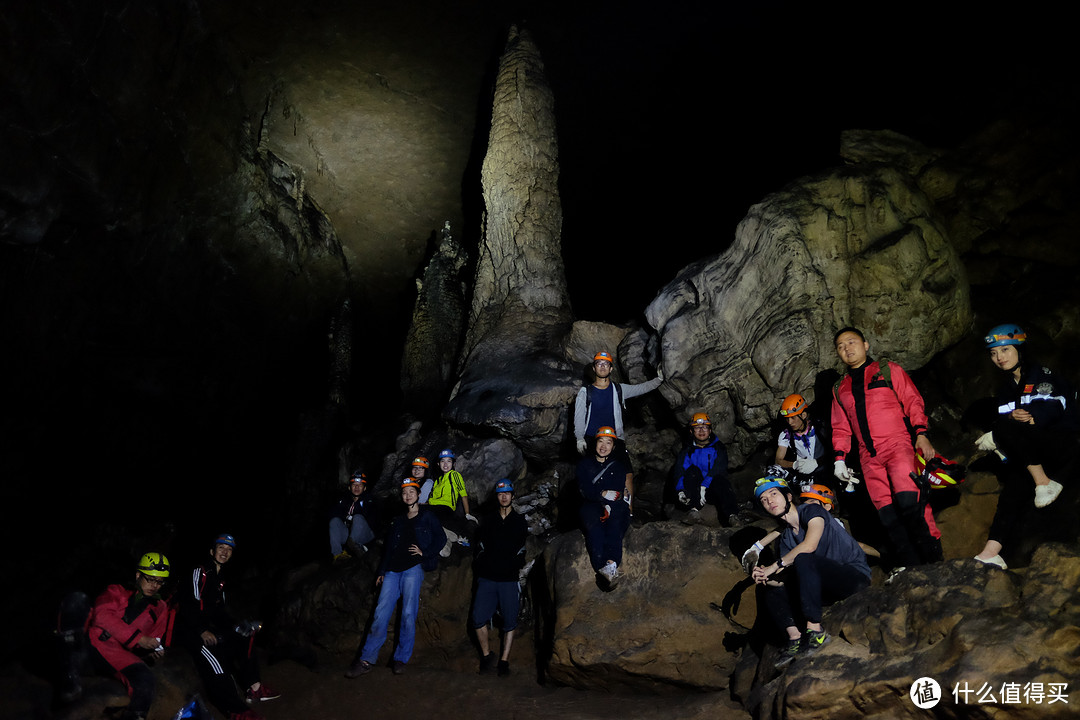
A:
x,y
512,380
964,624
856,246
664,625
429,360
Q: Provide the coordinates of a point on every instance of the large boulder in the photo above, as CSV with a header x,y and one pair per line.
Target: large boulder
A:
x,y
513,379
856,246
1005,636
667,623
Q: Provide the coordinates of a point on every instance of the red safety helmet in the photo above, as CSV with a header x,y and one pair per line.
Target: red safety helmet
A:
x,y
940,471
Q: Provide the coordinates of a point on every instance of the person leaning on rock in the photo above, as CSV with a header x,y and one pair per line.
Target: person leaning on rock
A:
x,y
877,404
601,404
450,502
819,563
1036,424
500,555
701,474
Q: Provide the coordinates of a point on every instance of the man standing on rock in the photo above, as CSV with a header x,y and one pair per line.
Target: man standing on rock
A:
x,y
701,474
877,404
500,555
601,404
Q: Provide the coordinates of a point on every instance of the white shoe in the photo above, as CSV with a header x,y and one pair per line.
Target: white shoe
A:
x,y
1046,494
894,574
996,560
445,552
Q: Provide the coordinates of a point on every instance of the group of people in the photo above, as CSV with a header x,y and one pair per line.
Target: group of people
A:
x,y
414,545
129,627
878,416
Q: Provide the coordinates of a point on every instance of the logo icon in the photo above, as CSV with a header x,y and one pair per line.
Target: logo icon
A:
x,y
925,693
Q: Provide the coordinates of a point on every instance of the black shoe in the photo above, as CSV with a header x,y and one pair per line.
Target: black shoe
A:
x,y
504,668
788,654
399,667
487,663
358,668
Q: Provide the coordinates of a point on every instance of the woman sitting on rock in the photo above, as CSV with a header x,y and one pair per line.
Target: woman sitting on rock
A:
x,y
819,563
606,488
1035,422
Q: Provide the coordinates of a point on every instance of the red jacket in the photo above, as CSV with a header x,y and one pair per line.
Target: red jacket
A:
x,y
884,410
112,630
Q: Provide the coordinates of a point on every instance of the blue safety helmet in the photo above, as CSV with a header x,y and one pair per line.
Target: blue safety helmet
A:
x,y
504,486
225,539
448,453
768,483
1008,334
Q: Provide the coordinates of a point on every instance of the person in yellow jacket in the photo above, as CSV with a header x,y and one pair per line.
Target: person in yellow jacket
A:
x,y
449,501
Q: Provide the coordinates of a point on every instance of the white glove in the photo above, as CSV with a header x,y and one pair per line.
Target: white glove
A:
x,y
986,442
703,489
750,557
660,372
610,495
470,518
683,499
582,446
805,465
845,475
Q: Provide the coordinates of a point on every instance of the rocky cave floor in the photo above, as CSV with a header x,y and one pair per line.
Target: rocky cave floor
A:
x,y
430,687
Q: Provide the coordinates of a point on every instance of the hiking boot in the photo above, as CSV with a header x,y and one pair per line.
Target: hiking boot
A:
x,y
996,560
358,668
487,663
398,667
816,639
1046,494
788,653
263,694
693,517
504,668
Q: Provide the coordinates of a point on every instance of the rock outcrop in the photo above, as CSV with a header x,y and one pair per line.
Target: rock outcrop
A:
x,y
857,246
1006,636
513,379
667,622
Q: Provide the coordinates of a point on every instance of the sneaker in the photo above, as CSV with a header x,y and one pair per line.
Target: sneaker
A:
x,y
1046,494
445,552
358,668
788,653
263,694
996,560
504,668
398,667
611,574
693,517
464,542
816,639
487,663
894,574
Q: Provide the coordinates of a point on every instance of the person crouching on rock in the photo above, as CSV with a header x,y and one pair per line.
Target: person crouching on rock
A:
x,y
607,490
819,563
412,547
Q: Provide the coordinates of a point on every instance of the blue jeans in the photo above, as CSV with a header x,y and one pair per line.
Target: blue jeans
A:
x,y
360,533
406,586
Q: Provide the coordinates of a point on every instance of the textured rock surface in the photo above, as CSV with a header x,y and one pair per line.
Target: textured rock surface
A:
x,y
957,622
662,626
512,379
858,246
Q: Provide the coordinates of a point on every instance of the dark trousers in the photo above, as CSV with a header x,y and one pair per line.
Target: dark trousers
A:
x,y
217,666
811,583
603,537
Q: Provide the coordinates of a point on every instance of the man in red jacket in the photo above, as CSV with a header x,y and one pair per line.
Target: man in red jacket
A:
x,y
126,627
878,404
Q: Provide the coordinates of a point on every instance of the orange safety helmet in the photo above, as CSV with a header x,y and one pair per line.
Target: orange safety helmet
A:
x,y
820,492
793,405
410,482
603,356
607,431
421,462
700,419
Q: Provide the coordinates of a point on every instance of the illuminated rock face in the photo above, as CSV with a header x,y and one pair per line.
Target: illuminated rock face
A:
x,y
857,246
513,377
